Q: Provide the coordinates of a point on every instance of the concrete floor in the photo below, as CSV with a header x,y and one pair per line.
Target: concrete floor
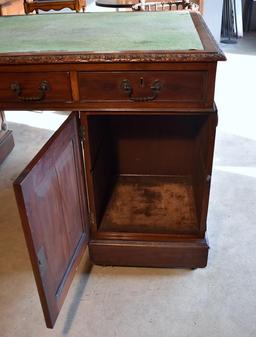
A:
x,y
218,301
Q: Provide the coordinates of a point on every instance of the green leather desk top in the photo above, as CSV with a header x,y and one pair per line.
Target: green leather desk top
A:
x,y
99,32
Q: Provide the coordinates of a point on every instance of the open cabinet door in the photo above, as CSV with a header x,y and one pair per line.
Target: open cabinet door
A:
x,y
51,198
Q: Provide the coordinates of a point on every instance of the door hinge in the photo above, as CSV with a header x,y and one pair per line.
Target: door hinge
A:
x,y
92,218
82,133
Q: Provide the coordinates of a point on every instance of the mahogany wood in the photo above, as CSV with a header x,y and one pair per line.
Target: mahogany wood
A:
x,y
185,254
58,82
51,197
158,150
56,5
159,160
184,86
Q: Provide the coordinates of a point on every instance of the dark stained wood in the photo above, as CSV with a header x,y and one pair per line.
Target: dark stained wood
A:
x,y
184,254
56,5
100,155
157,237
74,86
155,145
158,159
206,36
203,181
184,86
178,95
29,83
50,194
6,138
147,163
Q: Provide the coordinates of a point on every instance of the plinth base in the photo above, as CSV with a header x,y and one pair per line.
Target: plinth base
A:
x,y
176,254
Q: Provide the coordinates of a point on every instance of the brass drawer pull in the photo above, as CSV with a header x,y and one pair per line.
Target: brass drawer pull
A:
x,y
127,87
43,87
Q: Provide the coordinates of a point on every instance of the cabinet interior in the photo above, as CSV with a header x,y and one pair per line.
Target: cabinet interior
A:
x,y
148,172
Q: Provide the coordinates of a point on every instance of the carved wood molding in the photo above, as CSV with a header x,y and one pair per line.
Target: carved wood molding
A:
x,y
111,57
210,53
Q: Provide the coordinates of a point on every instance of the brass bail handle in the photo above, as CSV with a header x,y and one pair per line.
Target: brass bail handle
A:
x,y
43,88
127,88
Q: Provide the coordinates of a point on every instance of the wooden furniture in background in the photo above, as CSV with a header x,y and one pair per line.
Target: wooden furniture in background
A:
x,y
56,5
116,3
200,3
6,138
144,127
11,7
166,5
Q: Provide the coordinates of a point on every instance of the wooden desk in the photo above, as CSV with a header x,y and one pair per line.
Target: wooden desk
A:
x,y
142,88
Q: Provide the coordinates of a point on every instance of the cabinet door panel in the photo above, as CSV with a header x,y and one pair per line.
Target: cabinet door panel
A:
x,y
51,198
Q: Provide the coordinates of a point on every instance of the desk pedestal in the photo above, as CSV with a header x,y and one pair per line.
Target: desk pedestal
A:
x,y
6,138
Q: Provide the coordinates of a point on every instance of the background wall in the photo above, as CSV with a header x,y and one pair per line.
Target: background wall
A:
x,y
213,14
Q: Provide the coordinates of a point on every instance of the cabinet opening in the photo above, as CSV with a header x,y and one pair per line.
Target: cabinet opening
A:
x,y
148,172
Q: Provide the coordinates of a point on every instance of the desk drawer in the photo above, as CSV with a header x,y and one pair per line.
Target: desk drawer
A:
x,y
41,87
178,87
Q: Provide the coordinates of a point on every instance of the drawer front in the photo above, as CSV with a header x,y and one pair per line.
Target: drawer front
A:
x,y
43,87
181,87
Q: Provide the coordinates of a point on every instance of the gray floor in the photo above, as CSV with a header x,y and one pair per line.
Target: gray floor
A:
x,y
218,301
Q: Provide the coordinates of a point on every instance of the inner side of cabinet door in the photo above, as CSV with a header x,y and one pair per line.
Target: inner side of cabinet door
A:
x,y
51,198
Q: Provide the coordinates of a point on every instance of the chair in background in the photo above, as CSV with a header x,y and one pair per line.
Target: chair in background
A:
x,y
166,6
46,5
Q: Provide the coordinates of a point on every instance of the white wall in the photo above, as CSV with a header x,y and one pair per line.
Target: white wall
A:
x,y
213,15
239,13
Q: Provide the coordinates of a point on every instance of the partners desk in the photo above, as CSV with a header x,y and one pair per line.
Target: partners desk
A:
x,y
128,173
